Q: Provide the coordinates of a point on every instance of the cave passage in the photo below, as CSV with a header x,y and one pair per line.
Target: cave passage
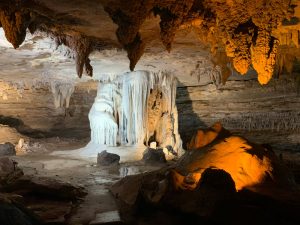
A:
x,y
149,112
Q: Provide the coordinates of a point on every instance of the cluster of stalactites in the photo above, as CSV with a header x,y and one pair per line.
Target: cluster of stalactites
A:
x,y
81,47
62,93
16,19
242,28
247,30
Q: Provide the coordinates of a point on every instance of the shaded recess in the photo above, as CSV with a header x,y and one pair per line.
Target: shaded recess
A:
x,y
22,128
188,121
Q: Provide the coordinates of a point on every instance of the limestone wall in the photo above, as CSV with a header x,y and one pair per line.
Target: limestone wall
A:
x,y
35,108
265,114
268,113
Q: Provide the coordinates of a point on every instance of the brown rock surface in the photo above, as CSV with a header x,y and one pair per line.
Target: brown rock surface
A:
x,y
178,195
249,32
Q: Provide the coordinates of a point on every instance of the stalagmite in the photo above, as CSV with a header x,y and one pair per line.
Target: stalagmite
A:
x,y
135,93
102,121
123,111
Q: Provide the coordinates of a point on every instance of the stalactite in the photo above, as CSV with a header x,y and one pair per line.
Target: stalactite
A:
x,y
81,46
14,23
241,28
263,55
62,93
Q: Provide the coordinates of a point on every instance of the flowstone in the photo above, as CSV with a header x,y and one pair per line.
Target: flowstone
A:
x,y
136,108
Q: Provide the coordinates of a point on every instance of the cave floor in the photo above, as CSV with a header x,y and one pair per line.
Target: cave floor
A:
x,y
83,172
80,172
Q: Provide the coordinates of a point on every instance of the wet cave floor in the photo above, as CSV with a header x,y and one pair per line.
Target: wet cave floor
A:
x,y
94,181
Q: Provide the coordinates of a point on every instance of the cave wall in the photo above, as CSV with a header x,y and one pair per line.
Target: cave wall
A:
x,y
32,111
264,114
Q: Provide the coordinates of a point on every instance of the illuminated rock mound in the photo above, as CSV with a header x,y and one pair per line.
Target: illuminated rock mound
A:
x,y
248,164
215,182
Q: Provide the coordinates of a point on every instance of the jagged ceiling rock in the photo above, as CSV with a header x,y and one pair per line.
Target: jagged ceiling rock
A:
x,y
247,33
14,21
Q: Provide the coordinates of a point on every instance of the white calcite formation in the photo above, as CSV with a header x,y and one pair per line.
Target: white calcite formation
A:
x,y
104,127
62,93
122,113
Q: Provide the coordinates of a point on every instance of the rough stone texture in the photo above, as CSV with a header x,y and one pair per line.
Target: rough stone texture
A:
x,y
9,171
14,21
154,156
248,164
28,185
6,166
48,199
33,112
268,114
213,200
205,137
7,149
12,212
107,159
246,31
82,47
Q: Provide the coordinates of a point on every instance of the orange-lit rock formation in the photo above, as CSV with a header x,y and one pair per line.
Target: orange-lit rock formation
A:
x,y
249,32
205,137
248,164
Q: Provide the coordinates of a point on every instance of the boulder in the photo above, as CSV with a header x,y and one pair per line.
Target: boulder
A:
x,y
7,166
14,213
50,199
9,169
215,187
227,180
154,156
127,189
107,159
45,186
248,164
7,149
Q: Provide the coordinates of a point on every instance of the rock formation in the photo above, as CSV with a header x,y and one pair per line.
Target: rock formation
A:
x,y
135,109
15,20
34,200
209,184
249,33
205,137
248,164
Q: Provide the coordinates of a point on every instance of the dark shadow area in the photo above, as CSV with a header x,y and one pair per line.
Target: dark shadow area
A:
x,y
215,201
34,133
188,121
21,127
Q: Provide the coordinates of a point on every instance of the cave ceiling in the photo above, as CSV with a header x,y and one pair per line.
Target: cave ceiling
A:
x,y
182,36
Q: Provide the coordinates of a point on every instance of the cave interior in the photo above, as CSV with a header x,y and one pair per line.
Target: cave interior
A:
x,y
149,112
